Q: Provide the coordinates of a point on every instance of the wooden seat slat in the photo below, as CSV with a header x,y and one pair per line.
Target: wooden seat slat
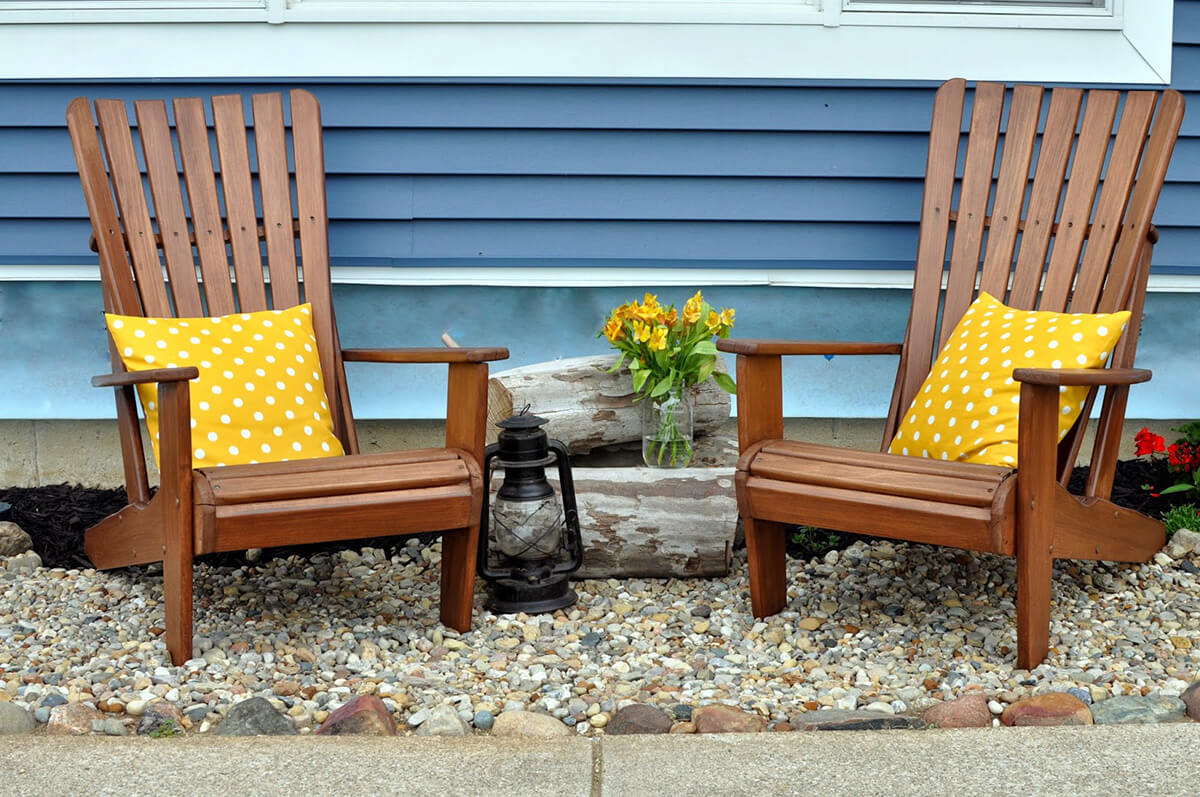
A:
x,y
879,481
212,488
873,459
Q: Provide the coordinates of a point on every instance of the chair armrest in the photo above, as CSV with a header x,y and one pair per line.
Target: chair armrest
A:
x,y
144,377
754,346
1081,377
470,354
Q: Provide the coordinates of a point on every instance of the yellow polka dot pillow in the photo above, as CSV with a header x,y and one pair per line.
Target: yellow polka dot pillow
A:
x,y
260,396
967,409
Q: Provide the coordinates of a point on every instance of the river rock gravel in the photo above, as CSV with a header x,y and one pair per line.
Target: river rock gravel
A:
x,y
890,626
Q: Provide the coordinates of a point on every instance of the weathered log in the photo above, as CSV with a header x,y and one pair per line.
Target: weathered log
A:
x,y
655,523
585,405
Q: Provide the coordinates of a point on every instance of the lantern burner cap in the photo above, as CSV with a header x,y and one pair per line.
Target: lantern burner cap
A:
x,y
522,422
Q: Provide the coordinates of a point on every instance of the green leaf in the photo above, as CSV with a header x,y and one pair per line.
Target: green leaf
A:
x,y
725,382
705,347
1177,488
663,386
639,379
617,367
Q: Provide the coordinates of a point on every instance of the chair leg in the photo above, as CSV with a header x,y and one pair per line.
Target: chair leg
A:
x,y
1035,569
175,504
766,551
1035,521
458,577
177,592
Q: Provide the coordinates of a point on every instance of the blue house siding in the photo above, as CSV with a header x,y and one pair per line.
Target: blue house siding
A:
x,y
584,174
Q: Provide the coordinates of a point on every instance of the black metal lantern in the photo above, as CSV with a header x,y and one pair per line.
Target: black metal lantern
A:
x,y
535,534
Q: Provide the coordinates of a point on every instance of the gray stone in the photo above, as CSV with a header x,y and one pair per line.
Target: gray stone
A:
x,y
26,561
443,721
844,720
255,717
13,539
41,714
73,719
113,727
1182,543
484,720
1137,710
14,719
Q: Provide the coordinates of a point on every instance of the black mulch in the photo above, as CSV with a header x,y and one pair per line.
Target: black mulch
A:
x,y
56,516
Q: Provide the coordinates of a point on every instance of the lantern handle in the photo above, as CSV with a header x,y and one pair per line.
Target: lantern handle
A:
x,y
566,491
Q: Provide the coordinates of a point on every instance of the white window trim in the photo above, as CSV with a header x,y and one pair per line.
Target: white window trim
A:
x,y
573,277
752,39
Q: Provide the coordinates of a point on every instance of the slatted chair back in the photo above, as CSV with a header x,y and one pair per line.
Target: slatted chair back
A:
x,y
1071,238
157,259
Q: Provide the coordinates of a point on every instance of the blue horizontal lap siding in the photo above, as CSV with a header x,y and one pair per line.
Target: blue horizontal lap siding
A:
x,y
585,174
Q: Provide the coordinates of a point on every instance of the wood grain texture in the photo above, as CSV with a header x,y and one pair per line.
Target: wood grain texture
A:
x,y
175,503
173,234
822,347
971,213
1036,494
241,219
651,523
274,186
208,227
431,354
586,406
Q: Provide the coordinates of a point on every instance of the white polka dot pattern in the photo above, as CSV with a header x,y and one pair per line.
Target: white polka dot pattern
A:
x,y
971,384
238,402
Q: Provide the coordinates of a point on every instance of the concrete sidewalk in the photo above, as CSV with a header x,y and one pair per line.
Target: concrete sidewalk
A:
x,y
1126,760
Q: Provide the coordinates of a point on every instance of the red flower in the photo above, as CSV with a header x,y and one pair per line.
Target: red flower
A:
x,y
1182,456
1146,443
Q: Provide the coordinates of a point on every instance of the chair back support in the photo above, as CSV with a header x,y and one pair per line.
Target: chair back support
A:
x,y
1049,208
156,259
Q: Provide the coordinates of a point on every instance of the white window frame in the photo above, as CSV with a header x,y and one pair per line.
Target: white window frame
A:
x,y
729,39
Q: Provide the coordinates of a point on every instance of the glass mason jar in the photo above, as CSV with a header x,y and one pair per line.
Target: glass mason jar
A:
x,y
667,429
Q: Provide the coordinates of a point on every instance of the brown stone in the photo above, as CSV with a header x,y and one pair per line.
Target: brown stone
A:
x,y
365,714
163,718
726,719
72,719
638,718
968,711
930,684
781,727
528,723
1052,708
285,688
1191,699
683,727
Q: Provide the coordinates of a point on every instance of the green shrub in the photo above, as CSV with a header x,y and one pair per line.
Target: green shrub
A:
x,y
1184,516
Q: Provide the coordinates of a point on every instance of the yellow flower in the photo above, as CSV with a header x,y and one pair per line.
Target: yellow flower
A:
x,y
658,340
649,309
727,317
714,320
669,318
691,310
641,331
614,329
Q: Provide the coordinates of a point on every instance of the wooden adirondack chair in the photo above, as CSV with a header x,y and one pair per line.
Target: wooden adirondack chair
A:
x,y
255,505
1028,513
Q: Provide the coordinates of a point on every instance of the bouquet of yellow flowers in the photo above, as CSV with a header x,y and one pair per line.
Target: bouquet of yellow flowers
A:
x,y
668,350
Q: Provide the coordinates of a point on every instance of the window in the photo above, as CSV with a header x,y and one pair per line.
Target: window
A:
x,y
1086,41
